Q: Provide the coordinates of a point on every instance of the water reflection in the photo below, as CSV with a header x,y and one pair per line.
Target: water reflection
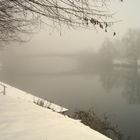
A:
x,y
79,81
126,79
131,90
109,79
122,76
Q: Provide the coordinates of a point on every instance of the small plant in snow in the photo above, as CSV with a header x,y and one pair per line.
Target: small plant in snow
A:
x,y
39,102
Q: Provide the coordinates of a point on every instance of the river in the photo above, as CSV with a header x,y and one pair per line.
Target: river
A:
x,y
61,79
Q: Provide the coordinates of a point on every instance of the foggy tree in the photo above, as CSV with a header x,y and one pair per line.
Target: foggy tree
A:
x,y
131,43
126,50
107,53
22,16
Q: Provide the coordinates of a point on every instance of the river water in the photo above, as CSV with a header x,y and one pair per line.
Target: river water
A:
x,y
64,80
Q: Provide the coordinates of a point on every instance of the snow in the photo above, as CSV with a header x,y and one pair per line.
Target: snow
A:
x,y
11,91
21,119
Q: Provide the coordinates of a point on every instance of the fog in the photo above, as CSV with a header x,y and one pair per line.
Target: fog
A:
x,y
73,40
74,68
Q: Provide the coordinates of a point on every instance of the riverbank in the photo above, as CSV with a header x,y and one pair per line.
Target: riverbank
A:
x,y
22,119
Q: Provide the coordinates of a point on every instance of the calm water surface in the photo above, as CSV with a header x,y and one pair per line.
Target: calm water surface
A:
x,y
111,91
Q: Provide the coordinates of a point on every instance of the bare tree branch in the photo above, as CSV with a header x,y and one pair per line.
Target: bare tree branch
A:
x,y
22,16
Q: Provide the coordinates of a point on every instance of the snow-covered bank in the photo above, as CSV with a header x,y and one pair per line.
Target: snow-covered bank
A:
x,y
21,119
14,92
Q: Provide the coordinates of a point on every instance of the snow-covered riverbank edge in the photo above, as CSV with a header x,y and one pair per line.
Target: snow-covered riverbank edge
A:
x,y
16,93
21,119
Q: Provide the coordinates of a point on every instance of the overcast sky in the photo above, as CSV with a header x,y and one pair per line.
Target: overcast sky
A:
x,y
71,41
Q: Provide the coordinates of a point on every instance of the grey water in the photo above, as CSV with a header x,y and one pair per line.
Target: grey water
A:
x,y
81,82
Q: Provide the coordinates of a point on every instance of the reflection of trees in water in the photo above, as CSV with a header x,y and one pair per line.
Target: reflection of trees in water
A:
x,y
126,52
109,79
126,79
131,90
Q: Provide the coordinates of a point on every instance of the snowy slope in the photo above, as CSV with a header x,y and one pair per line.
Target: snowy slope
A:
x,y
14,92
21,119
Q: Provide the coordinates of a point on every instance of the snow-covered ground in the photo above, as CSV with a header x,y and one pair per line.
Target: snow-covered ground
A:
x,y
21,119
14,92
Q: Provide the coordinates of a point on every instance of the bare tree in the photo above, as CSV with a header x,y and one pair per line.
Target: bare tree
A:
x,y
22,16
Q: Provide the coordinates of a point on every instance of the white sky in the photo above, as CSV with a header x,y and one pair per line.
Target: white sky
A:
x,y
48,40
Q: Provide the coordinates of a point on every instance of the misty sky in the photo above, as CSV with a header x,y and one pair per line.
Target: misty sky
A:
x,y
48,40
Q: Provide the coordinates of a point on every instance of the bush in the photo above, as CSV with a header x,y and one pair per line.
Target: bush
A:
x,y
103,126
